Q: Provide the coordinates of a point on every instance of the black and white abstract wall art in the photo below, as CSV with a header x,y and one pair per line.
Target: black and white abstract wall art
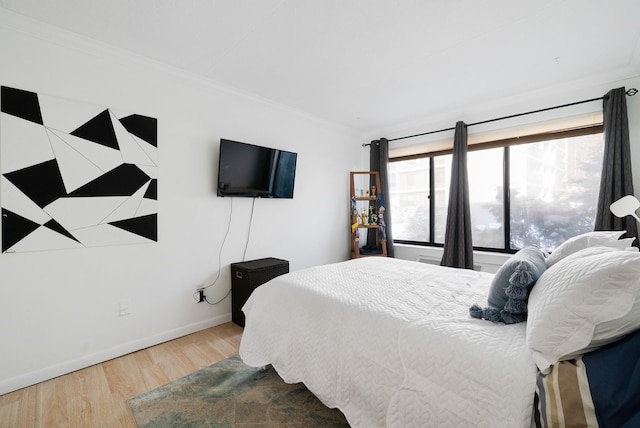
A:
x,y
74,175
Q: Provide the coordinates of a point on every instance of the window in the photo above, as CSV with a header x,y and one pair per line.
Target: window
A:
x,y
537,190
486,197
409,192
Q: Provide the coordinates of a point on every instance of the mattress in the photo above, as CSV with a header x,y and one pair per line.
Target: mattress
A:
x,y
390,343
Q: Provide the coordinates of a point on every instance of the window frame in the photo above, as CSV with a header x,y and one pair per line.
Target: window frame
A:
x,y
505,144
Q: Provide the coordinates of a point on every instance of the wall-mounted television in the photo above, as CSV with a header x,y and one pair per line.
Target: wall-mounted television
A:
x,y
255,171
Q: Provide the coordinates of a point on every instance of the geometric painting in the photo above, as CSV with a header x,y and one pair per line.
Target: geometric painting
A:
x,y
75,175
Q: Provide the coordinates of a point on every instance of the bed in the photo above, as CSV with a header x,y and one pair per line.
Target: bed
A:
x,y
391,343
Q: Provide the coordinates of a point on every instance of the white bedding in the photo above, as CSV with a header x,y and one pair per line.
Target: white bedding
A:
x,y
390,343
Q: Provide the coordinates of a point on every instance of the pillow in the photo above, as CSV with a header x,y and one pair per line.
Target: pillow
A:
x,y
580,242
611,378
620,243
583,302
510,287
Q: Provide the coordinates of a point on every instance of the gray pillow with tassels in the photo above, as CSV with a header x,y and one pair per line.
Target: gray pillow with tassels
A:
x,y
511,285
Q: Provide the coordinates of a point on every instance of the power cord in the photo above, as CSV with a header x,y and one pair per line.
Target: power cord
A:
x,y
199,295
246,245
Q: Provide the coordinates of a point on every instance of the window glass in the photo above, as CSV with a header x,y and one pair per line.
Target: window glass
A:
x,y
486,197
554,190
442,179
553,193
409,197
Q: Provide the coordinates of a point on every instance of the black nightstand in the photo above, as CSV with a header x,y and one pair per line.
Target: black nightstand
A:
x,y
247,276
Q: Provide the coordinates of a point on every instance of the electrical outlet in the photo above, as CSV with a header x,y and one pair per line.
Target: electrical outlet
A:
x,y
201,296
125,307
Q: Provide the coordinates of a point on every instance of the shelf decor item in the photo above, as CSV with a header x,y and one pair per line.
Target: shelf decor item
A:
x,y
367,214
383,231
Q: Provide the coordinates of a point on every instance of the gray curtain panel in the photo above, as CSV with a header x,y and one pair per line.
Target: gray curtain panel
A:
x,y
617,178
379,161
458,246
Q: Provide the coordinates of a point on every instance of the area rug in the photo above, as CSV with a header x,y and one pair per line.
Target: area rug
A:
x,y
232,394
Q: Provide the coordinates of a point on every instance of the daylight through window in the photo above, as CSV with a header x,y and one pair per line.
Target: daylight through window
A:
x,y
536,190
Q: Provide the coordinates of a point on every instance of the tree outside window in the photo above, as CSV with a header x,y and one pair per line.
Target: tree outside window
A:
x,y
552,185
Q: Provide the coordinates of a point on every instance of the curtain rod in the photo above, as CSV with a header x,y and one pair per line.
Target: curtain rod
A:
x,y
630,92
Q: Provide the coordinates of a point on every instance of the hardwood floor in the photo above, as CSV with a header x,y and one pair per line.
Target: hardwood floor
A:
x,y
97,396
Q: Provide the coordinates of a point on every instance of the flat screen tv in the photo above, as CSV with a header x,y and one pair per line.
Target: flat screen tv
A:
x,y
255,171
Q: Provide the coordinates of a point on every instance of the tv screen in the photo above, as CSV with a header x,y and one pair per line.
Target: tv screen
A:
x,y
255,171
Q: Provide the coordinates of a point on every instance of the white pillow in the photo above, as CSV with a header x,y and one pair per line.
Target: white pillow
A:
x,y
580,242
584,301
621,244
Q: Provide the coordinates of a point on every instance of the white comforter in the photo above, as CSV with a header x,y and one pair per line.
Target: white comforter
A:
x,y
390,343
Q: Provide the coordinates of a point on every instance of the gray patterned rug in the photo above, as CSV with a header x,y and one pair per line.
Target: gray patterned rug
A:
x,y
232,394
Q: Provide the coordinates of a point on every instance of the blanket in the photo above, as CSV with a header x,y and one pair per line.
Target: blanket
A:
x,y
390,343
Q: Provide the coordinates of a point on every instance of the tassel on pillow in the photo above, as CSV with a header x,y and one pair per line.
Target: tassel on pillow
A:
x,y
522,274
509,318
488,313
511,286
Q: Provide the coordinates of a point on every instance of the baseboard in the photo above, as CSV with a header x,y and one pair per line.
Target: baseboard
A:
x,y
37,376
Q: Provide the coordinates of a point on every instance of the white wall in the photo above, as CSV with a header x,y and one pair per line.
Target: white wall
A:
x,y
547,97
59,309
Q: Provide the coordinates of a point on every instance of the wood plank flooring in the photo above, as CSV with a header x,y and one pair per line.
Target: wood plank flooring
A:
x,y
97,396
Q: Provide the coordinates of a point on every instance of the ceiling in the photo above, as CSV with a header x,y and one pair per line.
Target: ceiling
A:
x,y
367,64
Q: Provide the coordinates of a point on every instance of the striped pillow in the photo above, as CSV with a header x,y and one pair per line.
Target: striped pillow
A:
x,y
600,388
563,398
